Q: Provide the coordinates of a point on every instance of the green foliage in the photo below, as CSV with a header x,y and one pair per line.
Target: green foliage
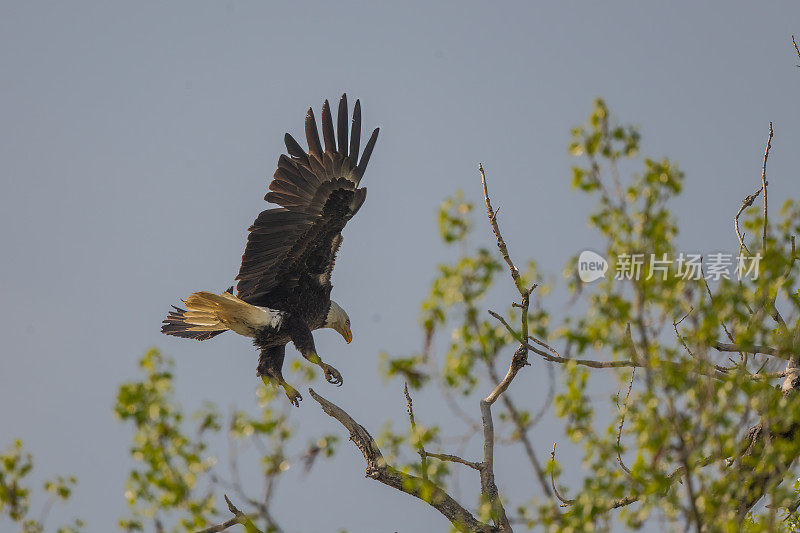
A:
x,y
688,416
454,221
175,479
673,417
15,496
170,462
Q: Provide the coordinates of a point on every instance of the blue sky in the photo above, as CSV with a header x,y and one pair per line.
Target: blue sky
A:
x,y
136,141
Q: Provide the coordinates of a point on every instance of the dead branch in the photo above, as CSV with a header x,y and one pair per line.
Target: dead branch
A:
x,y
518,361
716,373
521,427
455,459
501,245
421,446
488,485
238,518
564,501
378,469
764,183
766,350
556,359
798,66
748,201
621,424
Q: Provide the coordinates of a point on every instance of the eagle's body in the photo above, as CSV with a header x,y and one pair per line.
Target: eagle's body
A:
x,y
284,285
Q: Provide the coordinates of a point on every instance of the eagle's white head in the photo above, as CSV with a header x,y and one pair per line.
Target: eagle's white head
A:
x,y
338,320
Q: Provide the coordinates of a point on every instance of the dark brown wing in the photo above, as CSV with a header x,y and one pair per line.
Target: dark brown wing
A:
x,y
318,193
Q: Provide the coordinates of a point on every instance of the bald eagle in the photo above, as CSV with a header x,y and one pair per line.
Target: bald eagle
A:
x,y
284,283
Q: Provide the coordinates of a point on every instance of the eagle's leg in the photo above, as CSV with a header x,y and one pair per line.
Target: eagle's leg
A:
x,y
303,340
270,363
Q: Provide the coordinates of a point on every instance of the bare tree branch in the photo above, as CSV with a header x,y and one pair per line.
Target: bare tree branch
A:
x,y
621,424
488,485
798,66
717,373
501,245
518,361
378,469
564,501
724,347
238,518
764,184
556,359
522,430
747,202
421,446
454,459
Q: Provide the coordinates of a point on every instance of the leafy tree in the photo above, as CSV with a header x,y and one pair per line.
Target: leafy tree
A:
x,y
175,477
702,436
697,366
15,495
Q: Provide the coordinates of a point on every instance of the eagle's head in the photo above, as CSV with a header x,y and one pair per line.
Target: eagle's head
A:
x,y
338,320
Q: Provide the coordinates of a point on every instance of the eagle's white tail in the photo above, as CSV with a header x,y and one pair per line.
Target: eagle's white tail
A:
x,y
208,314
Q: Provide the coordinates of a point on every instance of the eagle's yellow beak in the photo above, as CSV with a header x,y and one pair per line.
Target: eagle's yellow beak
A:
x,y
345,332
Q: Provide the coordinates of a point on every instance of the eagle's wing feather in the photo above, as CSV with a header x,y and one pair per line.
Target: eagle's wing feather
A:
x,y
318,193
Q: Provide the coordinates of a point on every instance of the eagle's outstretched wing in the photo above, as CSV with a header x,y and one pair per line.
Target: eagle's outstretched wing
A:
x,y
318,193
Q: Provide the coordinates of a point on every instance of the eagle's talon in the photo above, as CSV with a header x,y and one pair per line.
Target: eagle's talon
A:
x,y
294,396
332,375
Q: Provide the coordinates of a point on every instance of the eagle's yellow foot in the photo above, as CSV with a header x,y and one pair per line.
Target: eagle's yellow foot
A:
x,y
331,374
294,396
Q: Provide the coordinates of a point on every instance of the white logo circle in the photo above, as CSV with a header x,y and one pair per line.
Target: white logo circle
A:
x,y
591,266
